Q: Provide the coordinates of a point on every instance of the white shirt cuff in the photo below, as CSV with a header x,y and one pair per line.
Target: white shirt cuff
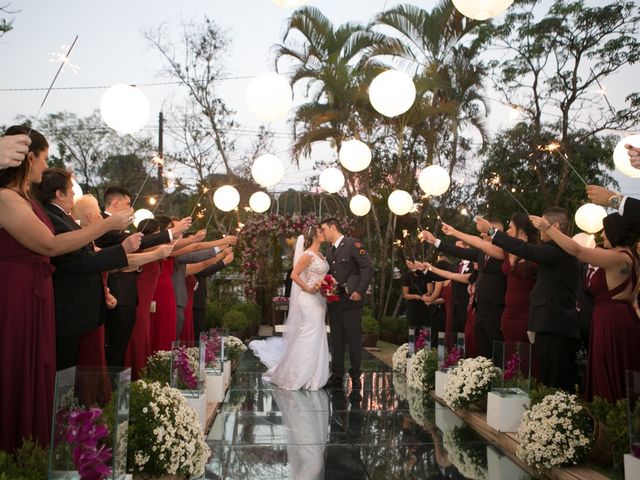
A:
x,y
437,243
216,250
170,235
621,207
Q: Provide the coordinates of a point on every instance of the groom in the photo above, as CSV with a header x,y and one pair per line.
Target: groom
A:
x,y
351,266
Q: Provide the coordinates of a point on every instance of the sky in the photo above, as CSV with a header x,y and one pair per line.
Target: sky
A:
x,y
111,49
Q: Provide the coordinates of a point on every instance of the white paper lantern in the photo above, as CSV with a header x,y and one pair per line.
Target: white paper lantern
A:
x,y
355,155
482,9
331,180
434,180
585,239
259,202
621,156
226,198
269,96
124,108
290,3
77,189
359,205
400,202
392,93
589,217
267,170
140,215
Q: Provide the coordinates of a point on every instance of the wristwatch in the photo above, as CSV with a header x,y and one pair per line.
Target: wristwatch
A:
x,y
614,201
491,232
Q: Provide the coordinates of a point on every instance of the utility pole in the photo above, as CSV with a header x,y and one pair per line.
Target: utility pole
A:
x,y
160,155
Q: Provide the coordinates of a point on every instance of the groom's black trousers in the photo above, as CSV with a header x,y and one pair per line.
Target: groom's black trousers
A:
x,y
346,329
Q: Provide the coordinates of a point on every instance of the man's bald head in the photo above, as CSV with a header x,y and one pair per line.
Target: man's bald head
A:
x,y
87,210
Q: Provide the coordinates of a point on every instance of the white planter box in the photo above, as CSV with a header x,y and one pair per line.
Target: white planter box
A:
x,y
441,381
504,411
215,387
199,405
226,372
500,467
631,467
446,420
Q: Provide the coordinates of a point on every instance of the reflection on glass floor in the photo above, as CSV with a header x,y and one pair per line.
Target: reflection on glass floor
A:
x,y
381,432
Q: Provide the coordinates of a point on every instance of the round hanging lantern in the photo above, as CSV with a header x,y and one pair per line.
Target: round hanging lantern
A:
x,y
124,108
259,202
226,198
392,93
434,180
355,155
267,170
621,156
269,97
359,205
400,202
290,3
140,215
331,180
585,239
589,217
482,9
77,189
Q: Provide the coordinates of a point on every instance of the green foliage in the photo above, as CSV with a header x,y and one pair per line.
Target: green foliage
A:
x,y
216,308
235,321
157,368
250,310
539,391
30,462
370,325
615,418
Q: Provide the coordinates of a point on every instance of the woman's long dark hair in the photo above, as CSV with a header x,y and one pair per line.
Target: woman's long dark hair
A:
x,y
309,234
522,223
17,175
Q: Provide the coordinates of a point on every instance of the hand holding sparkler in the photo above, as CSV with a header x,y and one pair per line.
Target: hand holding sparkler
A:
x,y
540,223
180,227
427,236
200,234
448,230
13,150
634,155
231,240
120,220
600,195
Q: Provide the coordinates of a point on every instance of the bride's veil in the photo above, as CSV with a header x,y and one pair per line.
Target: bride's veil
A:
x,y
293,318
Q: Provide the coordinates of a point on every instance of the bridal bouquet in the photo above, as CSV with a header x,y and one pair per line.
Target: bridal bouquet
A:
x,y
328,287
556,432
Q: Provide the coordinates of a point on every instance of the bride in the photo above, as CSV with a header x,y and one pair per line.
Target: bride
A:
x,y
300,360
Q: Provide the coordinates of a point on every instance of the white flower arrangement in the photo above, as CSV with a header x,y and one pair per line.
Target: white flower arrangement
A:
x,y
165,436
233,347
469,382
400,385
466,454
399,358
424,364
421,408
556,432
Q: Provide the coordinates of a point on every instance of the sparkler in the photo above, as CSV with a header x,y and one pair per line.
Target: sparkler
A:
x,y
555,147
46,95
159,202
495,181
204,190
61,57
603,92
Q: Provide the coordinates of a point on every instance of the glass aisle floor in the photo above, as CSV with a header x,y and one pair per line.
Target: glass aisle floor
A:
x,y
380,432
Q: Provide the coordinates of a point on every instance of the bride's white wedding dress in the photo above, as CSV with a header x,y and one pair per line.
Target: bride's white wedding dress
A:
x,y
300,360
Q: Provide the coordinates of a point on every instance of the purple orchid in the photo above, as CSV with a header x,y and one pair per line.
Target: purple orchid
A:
x,y
512,368
90,456
453,358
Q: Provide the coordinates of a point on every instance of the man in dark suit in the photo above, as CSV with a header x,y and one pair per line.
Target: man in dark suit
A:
x,y
123,285
491,285
628,207
460,294
351,266
200,293
553,316
77,281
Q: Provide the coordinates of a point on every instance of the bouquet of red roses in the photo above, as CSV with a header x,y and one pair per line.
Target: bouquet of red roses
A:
x,y
328,288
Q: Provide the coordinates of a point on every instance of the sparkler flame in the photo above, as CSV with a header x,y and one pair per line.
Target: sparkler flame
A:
x,y
61,57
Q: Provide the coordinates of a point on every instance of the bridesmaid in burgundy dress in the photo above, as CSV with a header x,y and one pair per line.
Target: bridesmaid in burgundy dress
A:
x,y
139,348
187,329
164,319
27,314
615,327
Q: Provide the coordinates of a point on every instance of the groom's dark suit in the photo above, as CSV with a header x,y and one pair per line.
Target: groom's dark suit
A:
x,y
352,268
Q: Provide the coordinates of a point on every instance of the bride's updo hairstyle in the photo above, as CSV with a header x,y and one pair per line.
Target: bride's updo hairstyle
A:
x,y
309,234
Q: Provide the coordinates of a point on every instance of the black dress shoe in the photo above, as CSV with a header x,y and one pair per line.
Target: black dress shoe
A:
x,y
334,382
355,383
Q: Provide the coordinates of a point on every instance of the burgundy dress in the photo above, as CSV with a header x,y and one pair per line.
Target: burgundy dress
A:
x,y
164,322
139,348
27,342
614,340
187,329
514,322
